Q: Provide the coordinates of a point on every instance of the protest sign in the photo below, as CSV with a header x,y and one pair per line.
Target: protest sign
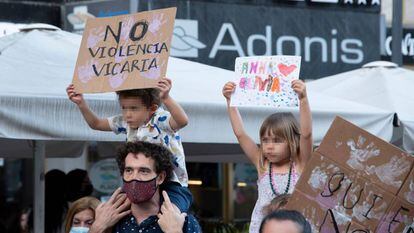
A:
x,y
407,191
352,183
266,81
399,219
366,155
124,52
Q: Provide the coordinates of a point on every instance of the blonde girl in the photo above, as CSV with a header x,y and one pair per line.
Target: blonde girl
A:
x,y
283,151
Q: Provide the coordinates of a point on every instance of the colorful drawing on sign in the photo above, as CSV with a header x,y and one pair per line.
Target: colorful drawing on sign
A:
x,y
124,52
266,81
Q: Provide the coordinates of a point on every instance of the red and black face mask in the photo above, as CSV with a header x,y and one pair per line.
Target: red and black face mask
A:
x,y
139,191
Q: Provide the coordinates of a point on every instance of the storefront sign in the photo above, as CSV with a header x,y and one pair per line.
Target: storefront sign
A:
x,y
75,14
328,41
407,46
105,176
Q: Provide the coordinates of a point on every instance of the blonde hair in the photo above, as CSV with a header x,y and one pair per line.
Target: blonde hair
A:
x,y
80,205
282,125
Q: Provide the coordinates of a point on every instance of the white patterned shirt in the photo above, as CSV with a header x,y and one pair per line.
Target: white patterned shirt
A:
x,y
158,131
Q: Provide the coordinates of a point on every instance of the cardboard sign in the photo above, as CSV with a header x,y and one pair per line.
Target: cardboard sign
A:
x,y
347,185
325,220
266,81
124,52
407,191
366,155
399,219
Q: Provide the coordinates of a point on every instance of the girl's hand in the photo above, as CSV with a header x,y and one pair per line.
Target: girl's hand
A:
x,y
73,96
164,85
228,89
300,88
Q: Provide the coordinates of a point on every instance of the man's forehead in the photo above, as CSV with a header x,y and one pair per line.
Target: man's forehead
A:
x,y
138,159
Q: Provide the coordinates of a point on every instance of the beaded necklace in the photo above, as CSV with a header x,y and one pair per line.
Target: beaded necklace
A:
x,y
271,179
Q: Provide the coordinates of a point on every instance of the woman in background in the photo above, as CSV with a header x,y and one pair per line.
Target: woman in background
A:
x,y
81,215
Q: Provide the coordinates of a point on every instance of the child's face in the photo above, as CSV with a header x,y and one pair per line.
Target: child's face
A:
x,y
274,148
134,112
281,226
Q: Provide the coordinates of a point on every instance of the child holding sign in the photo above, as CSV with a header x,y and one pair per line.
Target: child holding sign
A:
x,y
283,151
143,119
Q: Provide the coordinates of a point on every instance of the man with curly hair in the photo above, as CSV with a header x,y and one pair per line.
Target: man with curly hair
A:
x,y
144,168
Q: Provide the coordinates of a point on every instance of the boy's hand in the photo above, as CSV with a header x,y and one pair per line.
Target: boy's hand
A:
x,y
73,96
171,220
300,88
165,86
228,89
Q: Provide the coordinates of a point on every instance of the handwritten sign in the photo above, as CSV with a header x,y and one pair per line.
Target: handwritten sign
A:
x,y
399,218
354,183
124,52
266,81
407,190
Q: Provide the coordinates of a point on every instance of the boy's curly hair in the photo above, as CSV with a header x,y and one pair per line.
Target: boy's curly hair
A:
x,y
158,153
148,96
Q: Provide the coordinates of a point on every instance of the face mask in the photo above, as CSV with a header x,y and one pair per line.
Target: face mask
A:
x,y
140,191
79,230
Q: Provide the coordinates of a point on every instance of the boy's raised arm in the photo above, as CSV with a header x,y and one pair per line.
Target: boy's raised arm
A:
x,y
179,118
93,121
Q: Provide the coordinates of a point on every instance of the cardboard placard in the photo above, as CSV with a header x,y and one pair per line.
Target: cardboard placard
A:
x,y
325,220
399,219
407,190
340,198
124,52
266,81
366,155
339,190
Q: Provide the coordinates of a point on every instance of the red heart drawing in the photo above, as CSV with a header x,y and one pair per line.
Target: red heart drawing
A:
x,y
286,70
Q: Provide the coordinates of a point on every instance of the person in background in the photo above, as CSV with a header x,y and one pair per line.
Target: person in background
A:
x,y
285,221
78,185
277,203
56,203
22,222
81,215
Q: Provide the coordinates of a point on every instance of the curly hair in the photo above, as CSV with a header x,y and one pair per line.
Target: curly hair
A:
x,y
148,96
160,155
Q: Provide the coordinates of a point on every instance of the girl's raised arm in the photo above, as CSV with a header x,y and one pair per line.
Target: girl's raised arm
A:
x,y
247,144
306,141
